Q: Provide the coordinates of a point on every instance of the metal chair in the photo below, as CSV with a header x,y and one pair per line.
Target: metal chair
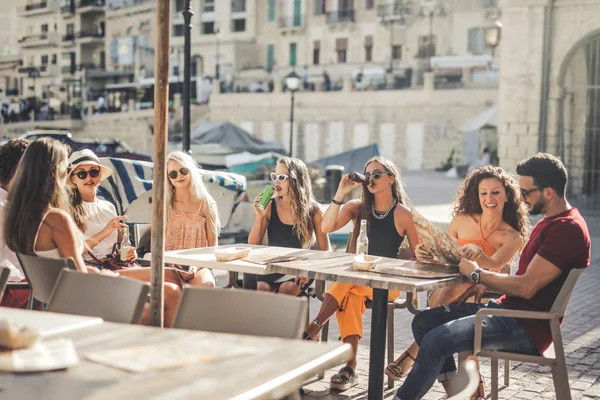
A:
x,y
112,298
4,273
42,274
242,312
554,356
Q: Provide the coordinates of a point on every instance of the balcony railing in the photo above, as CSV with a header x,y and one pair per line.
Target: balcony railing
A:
x,y
335,17
86,3
90,34
392,10
129,3
36,6
68,37
290,22
40,39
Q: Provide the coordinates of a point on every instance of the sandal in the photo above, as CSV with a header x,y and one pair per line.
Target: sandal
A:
x,y
345,382
395,371
307,336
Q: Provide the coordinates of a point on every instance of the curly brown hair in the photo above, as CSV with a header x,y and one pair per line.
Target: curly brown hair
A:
x,y
467,202
10,155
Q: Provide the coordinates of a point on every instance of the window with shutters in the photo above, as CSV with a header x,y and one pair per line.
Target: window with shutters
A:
x,y
316,52
320,7
368,48
271,11
293,54
396,52
341,49
476,41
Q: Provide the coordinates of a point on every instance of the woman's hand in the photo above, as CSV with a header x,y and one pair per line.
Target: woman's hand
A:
x,y
345,187
115,224
470,251
257,211
422,254
108,272
132,254
301,281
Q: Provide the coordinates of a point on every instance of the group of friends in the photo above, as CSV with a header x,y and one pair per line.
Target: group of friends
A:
x,y
50,208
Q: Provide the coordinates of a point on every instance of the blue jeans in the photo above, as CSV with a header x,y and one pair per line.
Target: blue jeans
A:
x,y
440,332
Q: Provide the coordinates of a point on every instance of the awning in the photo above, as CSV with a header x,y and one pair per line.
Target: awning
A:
x,y
487,118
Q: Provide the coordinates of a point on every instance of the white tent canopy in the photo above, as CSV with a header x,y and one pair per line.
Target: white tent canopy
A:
x,y
484,119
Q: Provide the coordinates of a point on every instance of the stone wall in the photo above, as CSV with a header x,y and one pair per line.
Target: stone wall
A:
x,y
417,129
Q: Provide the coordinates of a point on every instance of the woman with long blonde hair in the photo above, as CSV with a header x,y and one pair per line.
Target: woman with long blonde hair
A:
x,y
192,215
291,219
389,222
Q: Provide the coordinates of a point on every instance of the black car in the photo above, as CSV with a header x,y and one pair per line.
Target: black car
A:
x,y
103,148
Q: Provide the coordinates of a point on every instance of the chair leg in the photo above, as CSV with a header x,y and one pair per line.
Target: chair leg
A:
x,y
494,379
324,334
390,340
506,373
30,301
561,381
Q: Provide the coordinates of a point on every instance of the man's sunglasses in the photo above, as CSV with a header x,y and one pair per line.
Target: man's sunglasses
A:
x,y
376,174
525,193
94,173
183,171
279,177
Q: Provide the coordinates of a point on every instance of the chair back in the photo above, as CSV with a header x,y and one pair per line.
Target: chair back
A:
x,y
562,300
141,235
4,273
42,273
241,312
112,298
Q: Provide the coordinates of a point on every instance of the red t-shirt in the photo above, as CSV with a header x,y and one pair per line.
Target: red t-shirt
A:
x,y
564,241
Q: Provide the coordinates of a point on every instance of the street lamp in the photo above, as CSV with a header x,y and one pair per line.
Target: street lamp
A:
x,y
217,31
292,82
493,35
187,61
430,8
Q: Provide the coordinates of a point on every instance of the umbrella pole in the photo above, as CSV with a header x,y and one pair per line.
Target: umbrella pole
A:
x,y
161,109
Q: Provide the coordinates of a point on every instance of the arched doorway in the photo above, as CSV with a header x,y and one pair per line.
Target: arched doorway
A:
x,y
579,120
197,67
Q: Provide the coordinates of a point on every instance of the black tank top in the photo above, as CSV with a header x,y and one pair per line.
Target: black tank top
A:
x,y
384,240
281,234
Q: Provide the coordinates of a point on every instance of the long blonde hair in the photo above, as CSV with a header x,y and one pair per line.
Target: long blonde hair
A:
x,y
197,189
303,205
366,198
36,187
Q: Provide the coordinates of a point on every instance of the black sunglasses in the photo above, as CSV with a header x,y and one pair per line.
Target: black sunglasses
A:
x,y
94,173
183,171
376,174
526,192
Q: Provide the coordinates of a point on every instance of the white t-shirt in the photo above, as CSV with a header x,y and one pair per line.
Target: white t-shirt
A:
x,y
99,213
7,257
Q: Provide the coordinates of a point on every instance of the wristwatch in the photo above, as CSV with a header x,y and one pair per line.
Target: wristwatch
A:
x,y
476,275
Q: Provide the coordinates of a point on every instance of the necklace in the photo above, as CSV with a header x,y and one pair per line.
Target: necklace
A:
x,y
383,214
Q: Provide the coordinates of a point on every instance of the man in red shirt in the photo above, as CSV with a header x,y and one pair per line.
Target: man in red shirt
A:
x,y
558,243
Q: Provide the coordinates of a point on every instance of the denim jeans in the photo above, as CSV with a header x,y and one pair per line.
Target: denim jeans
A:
x,y
440,332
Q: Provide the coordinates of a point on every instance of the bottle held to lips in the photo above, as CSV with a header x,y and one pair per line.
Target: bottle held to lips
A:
x,y
265,197
358,177
125,244
362,242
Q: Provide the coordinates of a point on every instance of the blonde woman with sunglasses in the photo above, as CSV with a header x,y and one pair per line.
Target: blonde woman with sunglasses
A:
x,y
291,219
192,215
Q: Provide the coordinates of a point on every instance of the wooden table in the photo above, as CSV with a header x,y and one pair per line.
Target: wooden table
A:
x,y
274,367
335,266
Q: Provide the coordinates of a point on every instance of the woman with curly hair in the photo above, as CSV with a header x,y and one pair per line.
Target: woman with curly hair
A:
x,y
292,219
491,225
389,221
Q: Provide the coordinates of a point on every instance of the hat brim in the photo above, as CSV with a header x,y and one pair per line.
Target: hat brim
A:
x,y
105,172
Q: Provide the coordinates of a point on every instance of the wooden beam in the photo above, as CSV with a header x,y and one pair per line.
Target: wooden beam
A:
x,y
161,118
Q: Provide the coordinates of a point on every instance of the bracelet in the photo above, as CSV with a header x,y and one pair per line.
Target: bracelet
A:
x,y
339,203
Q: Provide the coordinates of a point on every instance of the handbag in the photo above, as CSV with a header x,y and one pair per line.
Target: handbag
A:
x,y
113,261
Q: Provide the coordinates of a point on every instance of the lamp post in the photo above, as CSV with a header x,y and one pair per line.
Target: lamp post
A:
x,y
430,8
292,82
493,35
187,64
217,32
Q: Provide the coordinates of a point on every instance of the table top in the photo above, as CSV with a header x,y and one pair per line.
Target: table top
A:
x,y
48,324
284,365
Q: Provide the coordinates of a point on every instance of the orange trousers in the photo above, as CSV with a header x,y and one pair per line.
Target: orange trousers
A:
x,y
351,300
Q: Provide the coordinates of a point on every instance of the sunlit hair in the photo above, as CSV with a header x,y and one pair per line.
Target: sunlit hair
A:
x,y
366,199
38,184
197,189
303,205
467,200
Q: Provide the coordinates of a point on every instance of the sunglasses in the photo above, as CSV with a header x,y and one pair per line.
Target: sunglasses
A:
x,y
376,174
526,192
94,173
281,177
174,174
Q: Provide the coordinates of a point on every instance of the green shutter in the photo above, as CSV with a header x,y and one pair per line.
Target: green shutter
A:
x,y
270,56
297,12
292,54
271,14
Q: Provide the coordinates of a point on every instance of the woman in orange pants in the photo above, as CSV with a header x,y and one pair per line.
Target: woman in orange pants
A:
x,y
389,221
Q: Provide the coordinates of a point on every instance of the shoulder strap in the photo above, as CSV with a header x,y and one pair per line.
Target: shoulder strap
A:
x,y
38,229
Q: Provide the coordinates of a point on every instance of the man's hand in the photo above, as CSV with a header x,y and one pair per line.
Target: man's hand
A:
x,y
301,281
467,267
474,290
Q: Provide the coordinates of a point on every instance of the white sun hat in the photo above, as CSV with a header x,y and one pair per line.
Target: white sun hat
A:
x,y
87,157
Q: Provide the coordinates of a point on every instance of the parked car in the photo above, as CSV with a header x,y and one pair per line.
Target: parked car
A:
x,y
103,148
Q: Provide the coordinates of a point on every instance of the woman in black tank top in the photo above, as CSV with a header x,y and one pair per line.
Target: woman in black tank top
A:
x,y
292,219
389,221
